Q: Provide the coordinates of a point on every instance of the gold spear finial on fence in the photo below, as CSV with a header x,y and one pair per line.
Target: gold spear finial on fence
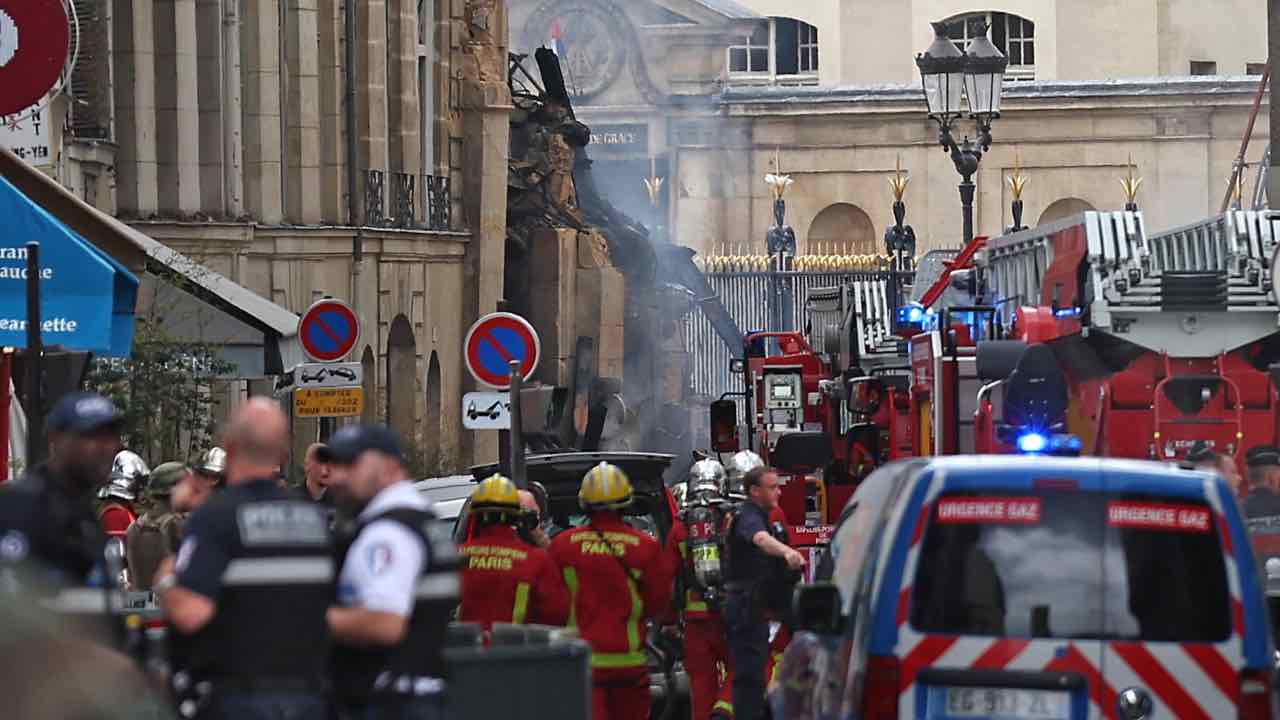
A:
x,y
898,183
1131,183
1017,181
776,181
653,183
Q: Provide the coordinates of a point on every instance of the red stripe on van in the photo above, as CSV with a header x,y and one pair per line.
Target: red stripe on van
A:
x,y
1000,654
1102,694
1217,668
1160,681
922,656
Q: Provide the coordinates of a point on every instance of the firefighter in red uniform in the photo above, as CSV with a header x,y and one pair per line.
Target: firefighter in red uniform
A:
x,y
706,653
617,578
504,578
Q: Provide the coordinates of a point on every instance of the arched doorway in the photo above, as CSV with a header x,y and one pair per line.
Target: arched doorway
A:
x,y
1066,207
434,413
370,368
401,377
842,229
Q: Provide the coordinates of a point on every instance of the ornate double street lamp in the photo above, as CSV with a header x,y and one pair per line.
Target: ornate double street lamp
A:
x,y
956,82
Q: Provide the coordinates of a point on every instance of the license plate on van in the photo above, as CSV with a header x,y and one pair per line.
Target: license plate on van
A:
x,y
1007,703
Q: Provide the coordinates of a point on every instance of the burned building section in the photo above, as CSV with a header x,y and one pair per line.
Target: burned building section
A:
x,y
601,291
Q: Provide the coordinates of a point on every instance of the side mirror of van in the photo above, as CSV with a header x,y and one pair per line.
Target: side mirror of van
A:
x,y
816,609
724,426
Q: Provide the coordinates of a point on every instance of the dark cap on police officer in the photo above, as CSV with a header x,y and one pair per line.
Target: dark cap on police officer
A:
x,y
352,441
1263,456
82,413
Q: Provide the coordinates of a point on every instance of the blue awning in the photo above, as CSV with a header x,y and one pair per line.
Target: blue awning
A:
x,y
87,298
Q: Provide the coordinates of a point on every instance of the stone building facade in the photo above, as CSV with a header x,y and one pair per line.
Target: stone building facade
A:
x,y
713,94
221,129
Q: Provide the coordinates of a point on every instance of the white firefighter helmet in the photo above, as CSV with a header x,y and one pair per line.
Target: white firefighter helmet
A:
x,y
213,462
739,465
706,477
129,474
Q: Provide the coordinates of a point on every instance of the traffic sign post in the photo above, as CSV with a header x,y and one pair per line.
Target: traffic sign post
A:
x,y
497,340
328,330
486,411
328,402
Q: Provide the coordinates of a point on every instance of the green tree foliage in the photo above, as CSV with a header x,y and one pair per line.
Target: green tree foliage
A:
x,y
164,391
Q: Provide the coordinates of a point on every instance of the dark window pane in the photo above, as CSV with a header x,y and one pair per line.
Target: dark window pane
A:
x,y
737,60
955,29
1014,53
759,60
787,54
1070,564
1254,68
1028,29
1029,52
999,23
760,36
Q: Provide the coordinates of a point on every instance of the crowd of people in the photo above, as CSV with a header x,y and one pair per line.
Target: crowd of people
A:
x,y
333,599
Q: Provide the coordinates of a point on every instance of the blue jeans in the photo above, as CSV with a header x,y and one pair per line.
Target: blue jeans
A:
x,y
267,706
428,708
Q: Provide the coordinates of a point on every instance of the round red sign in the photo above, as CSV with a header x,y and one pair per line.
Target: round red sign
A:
x,y
328,330
34,38
494,341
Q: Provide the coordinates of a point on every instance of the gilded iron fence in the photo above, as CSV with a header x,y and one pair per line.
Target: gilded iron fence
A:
x,y
757,298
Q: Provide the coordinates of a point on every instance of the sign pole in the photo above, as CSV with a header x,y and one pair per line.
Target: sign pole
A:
x,y
517,434
35,360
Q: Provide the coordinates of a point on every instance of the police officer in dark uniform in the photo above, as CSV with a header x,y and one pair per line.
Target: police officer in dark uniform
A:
x,y
1261,498
397,584
758,563
51,544
246,596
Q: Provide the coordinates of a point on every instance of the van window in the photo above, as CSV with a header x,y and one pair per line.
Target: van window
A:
x,y
1068,564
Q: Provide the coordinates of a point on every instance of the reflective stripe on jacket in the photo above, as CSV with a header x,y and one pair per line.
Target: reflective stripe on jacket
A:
x,y
617,578
507,580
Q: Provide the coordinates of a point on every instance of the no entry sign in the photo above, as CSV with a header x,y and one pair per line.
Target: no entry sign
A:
x,y
328,330
494,341
34,37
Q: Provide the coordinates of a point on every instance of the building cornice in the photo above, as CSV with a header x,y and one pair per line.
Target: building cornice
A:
x,y
757,100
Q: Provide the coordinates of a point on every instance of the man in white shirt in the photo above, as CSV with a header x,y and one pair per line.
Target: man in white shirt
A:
x,y
397,584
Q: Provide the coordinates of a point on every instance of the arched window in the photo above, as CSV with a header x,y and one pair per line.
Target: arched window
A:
x,y
842,229
1013,34
1064,208
783,50
434,414
400,381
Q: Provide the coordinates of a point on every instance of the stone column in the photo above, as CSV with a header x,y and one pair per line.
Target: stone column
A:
x,y
302,53
333,138
177,108
135,99
260,48
371,98
486,109
209,104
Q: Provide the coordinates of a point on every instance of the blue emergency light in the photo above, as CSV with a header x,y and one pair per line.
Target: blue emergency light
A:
x,y
1034,442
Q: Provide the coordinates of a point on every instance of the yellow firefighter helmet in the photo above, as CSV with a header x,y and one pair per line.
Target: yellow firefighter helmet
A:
x,y
605,487
496,493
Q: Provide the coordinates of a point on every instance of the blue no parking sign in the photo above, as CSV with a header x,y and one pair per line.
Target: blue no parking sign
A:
x,y
494,341
328,330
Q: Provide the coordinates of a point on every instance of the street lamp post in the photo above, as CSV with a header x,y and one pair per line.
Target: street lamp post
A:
x,y
957,81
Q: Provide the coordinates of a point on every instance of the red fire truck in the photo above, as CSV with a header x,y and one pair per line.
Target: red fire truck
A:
x,y
1085,335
